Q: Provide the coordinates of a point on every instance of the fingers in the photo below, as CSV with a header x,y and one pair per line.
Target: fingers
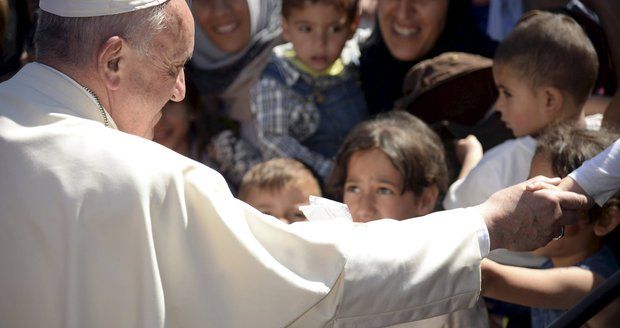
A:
x,y
542,182
540,185
572,201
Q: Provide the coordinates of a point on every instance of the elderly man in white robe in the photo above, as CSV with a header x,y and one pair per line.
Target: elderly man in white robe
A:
x,y
100,227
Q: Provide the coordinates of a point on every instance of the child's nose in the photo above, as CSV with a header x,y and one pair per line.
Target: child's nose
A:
x,y
500,105
364,211
321,39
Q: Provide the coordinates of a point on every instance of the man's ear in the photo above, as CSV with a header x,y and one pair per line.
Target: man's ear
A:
x,y
428,200
109,60
608,222
553,100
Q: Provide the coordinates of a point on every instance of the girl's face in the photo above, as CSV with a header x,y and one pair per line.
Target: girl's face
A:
x,y
372,189
225,22
411,28
173,127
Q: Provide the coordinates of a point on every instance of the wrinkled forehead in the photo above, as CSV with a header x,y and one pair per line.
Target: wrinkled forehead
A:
x,y
177,39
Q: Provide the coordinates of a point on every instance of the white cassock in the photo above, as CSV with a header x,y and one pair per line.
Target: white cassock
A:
x,y
99,228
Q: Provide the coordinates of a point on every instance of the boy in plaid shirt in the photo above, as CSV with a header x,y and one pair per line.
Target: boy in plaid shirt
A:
x,y
309,97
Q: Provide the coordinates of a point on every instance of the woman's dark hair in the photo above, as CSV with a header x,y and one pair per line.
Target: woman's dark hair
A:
x,y
412,147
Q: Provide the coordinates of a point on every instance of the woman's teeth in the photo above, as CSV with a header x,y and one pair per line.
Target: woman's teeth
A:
x,y
405,31
226,28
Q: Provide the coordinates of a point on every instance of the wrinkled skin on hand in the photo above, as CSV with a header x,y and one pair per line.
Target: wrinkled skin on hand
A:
x,y
522,220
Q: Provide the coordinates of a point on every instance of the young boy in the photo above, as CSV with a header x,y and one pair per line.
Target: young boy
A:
x,y
579,259
278,187
545,71
308,96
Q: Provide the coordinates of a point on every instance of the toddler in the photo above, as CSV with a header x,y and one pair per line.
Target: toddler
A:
x,y
545,71
308,97
278,187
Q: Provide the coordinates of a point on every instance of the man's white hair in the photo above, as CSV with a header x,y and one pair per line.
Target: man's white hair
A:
x,y
76,40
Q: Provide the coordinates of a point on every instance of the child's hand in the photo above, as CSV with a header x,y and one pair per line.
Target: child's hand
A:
x,y
468,152
468,147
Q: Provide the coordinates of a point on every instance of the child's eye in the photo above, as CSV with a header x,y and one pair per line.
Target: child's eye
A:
x,y
352,189
506,93
335,29
304,29
296,217
384,191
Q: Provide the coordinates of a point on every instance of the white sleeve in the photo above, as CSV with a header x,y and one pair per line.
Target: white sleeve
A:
x,y
265,273
600,176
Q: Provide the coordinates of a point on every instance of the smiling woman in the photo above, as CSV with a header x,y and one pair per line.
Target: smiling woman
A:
x,y
409,31
233,41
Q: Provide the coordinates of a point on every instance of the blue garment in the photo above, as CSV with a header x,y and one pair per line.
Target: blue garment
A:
x,y
341,106
602,263
305,117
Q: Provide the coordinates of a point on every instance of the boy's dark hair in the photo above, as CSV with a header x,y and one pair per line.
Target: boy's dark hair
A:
x,y
275,174
569,146
549,49
412,147
350,7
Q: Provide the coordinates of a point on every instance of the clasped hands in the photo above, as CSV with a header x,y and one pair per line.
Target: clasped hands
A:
x,y
530,214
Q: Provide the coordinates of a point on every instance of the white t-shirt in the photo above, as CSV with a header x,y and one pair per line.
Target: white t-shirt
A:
x,y
502,166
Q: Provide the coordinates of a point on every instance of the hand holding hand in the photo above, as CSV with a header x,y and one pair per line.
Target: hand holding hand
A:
x,y
522,220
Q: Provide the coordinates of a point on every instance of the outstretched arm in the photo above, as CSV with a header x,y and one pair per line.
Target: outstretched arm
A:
x,y
556,288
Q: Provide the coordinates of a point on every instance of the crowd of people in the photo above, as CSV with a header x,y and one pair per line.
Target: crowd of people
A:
x,y
287,99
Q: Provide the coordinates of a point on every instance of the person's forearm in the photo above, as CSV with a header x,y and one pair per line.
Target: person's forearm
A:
x,y
556,288
569,184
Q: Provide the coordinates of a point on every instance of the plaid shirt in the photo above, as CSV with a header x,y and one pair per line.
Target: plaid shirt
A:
x,y
285,118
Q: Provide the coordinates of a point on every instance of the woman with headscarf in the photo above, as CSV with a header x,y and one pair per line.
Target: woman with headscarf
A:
x,y
409,31
233,42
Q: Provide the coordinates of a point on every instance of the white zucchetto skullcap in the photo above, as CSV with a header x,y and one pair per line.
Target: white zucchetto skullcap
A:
x,y
89,8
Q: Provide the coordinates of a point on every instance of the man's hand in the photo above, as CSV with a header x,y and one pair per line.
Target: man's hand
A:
x,y
522,220
567,184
